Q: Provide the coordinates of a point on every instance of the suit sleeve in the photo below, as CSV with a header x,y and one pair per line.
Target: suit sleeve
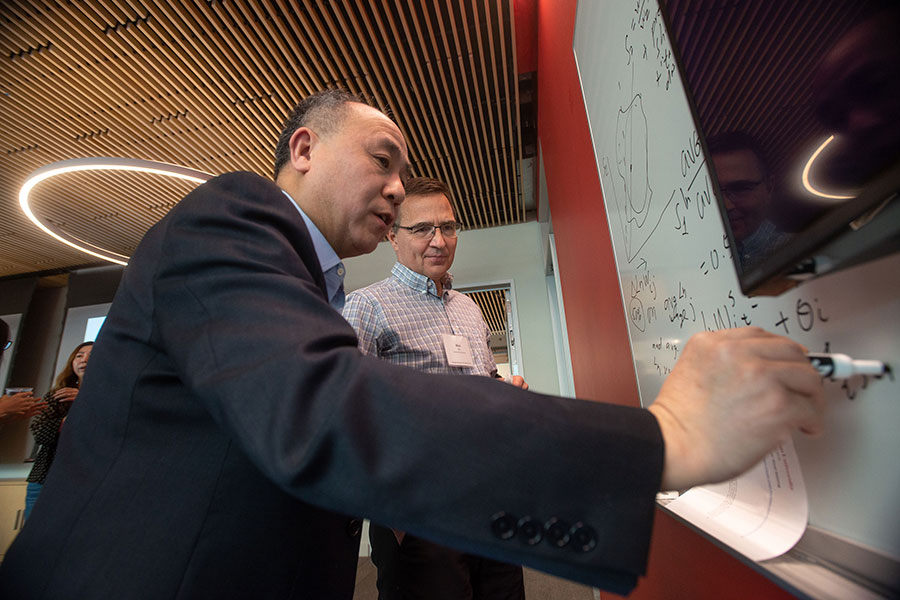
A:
x,y
565,486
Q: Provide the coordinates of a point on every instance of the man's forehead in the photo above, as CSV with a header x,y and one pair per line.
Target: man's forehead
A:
x,y
380,130
372,117
426,205
738,163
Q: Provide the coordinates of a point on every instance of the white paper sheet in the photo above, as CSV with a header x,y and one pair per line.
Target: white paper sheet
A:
x,y
761,514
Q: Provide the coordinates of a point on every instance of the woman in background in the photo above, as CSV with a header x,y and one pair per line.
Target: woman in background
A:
x,y
47,425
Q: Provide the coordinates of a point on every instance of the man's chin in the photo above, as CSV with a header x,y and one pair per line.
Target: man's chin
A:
x,y
738,231
436,274
359,248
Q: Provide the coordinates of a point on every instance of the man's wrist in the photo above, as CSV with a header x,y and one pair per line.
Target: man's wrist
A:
x,y
672,476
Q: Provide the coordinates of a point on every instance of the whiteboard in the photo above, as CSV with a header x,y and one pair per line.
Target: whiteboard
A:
x,y
677,277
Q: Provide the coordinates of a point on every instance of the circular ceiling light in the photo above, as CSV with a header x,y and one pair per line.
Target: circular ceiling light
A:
x,y
98,164
808,169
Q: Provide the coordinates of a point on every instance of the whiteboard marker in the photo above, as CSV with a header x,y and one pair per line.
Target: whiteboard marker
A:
x,y
841,366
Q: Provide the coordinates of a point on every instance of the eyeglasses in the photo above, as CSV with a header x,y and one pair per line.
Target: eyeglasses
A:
x,y
425,231
7,344
740,190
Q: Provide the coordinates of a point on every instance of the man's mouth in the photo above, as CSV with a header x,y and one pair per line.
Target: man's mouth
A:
x,y
386,217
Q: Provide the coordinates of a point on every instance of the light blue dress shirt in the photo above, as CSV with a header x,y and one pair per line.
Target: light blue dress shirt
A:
x,y
330,262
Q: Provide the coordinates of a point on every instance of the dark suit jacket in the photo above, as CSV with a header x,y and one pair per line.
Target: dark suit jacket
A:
x,y
227,421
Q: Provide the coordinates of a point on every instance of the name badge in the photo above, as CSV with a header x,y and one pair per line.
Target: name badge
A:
x,y
458,351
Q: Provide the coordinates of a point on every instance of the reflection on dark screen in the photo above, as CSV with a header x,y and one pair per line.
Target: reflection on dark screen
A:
x,y
746,190
799,103
857,97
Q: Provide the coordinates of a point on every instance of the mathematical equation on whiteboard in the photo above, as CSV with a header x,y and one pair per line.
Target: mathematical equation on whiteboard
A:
x,y
646,40
651,301
646,304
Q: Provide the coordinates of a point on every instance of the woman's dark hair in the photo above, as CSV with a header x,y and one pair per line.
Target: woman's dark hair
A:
x,y
67,377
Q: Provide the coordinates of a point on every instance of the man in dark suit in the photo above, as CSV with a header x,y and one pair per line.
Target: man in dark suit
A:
x,y
229,421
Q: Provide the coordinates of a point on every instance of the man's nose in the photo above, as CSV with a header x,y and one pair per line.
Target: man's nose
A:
x,y
729,205
438,240
394,190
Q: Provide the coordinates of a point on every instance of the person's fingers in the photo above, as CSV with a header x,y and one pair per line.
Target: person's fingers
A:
x,y
811,415
812,418
36,409
65,394
802,393
800,378
778,349
742,333
735,347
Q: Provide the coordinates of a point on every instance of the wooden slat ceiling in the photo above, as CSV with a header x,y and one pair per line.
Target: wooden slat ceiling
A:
x,y
206,84
493,307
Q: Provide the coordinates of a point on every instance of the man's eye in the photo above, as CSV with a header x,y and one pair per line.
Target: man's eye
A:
x,y
383,161
420,229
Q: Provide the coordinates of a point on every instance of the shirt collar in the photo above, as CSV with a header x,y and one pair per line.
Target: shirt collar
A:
x,y
419,282
328,258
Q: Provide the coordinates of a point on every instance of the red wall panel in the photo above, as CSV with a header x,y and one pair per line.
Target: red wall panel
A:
x,y
683,564
525,14
601,360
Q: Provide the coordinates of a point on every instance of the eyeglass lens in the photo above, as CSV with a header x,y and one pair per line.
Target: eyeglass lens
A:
x,y
427,231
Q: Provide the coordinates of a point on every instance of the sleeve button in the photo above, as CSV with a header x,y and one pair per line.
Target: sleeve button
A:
x,y
584,539
530,531
556,532
503,525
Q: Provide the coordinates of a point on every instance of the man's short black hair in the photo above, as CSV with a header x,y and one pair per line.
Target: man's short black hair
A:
x,y
322,112
734,141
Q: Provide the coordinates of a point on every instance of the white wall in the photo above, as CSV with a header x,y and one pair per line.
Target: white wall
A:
x,y
484,256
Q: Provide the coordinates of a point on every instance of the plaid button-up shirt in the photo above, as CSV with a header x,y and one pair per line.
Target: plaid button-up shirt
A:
x,y
402,319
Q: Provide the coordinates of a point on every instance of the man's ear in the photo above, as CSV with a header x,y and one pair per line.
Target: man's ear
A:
x,y
392,238
301,145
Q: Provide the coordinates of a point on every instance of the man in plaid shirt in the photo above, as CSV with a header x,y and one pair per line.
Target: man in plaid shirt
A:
x,y
414,318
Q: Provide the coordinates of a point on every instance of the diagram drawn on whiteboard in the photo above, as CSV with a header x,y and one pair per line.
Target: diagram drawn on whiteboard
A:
x,y
631,190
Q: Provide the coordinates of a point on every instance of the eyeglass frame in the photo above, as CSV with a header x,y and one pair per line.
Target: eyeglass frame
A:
x,y
455,225
739,190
